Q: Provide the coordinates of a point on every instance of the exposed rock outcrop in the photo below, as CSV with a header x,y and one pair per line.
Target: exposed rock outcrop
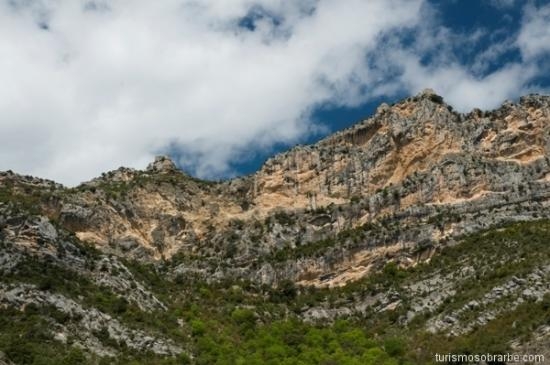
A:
x,y
417,164
389,192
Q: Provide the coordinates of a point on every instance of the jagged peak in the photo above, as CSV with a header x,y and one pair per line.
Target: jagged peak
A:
x,y
162,164
429,94
426,92
427,98
16,178
534,100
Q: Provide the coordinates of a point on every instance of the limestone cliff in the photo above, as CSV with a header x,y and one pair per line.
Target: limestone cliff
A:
x,y
395,188
415,172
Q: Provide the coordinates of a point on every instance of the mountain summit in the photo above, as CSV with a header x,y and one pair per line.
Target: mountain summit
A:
x,y
162,164
388,196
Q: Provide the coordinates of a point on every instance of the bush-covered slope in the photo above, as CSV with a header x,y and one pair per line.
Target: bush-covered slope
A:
x,y
487,293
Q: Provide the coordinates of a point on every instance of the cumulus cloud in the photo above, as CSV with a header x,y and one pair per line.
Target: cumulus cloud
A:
x,y
465,91
88,86
534,38
474,84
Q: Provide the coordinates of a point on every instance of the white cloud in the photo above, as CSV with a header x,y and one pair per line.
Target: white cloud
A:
x,y
475,84
492,54
88,86
465,91
112,84
534,38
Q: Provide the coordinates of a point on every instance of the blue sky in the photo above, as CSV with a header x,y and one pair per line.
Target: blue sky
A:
x,y
91,85
500,20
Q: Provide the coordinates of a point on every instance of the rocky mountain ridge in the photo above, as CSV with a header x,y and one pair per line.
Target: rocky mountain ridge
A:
x,y
417,164
340,220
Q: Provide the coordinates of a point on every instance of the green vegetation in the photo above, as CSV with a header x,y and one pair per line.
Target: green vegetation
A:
x,y
117,189
25,338
492,338
293,342
238,322
23,199
346,238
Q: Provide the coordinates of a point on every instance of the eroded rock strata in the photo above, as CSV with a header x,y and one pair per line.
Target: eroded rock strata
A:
x,y
395,188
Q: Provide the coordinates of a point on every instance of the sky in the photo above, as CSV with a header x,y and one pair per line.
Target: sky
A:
x,y
87,86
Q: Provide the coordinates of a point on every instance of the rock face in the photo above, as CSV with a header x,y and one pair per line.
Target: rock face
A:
x,y
87,322
162,164
460,157
418,165
394,188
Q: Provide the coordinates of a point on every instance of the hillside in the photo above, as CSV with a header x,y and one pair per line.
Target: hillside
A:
x,y
417,231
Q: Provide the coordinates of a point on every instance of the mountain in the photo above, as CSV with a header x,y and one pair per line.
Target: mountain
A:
x,y
417,231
